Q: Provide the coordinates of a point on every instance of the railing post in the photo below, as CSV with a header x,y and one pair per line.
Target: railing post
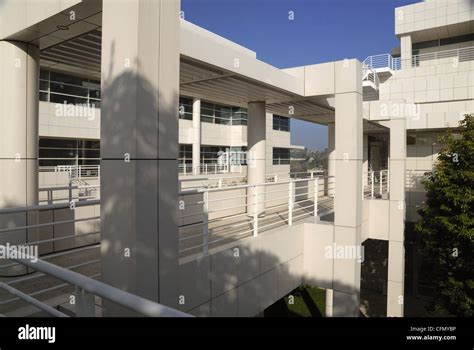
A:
x,y
85,303
381,182
312,174
255,216
372,177
316,193
388,182
70,191
220,183
205,224
290,202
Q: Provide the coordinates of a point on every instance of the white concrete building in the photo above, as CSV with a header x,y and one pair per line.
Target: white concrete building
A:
x,y
172,96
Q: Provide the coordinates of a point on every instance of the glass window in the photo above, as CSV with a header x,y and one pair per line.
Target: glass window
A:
x,y
44,74
239,116
68,79
223,115
55,86
185,154
185,108
68,89
226,115
281,123
43,96
53,152
44,85
210,154
281,156
67,99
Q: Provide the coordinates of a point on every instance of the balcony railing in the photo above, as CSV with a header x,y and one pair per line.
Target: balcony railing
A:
x,y
383,61
85,291
216,216
376,184
386,61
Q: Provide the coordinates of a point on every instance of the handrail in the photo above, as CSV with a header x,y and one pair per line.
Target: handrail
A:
x,y
395,63
29,299
15,210
128,300
217,189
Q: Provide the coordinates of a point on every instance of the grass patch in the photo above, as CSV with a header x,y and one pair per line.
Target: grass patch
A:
x,y
304,301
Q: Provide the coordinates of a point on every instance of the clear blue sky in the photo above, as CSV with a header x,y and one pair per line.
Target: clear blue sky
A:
x,y
322,30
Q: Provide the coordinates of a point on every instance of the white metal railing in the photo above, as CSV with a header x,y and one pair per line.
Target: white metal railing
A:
x,y
86,289
209,169
226,181
453,56
79,172
58,194
209,217
382,61
376,184
66,233
370,75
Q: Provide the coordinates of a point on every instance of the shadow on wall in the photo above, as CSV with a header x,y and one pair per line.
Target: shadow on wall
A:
x,y
139,191
245,278
374,277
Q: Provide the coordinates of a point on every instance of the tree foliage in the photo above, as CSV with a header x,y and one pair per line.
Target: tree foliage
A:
x,y
446,225
305,160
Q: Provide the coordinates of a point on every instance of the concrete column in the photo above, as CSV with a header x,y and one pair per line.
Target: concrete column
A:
x,y
197,135
329,303
139,149
396,250
256,160
348,199
331,158
406,50
19,78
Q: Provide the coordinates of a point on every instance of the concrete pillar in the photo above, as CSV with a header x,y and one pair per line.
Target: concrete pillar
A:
x,y
329,302
406,50
139,149
197,135
396,250
256,159
331,158
19,78
348,199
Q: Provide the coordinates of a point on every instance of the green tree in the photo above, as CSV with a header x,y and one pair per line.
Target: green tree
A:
x,y
446,225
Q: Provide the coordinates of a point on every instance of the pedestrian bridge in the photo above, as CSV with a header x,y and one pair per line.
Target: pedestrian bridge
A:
x,y
228,248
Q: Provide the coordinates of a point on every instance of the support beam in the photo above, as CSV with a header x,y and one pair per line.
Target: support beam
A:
x,y
406,51
196,136
19,77
396,249
348,199
139,149
256,160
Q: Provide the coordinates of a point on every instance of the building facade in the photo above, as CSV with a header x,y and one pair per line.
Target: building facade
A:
x,y
156,101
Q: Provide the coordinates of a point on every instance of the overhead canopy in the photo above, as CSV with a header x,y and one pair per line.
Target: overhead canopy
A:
x,y
211,67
